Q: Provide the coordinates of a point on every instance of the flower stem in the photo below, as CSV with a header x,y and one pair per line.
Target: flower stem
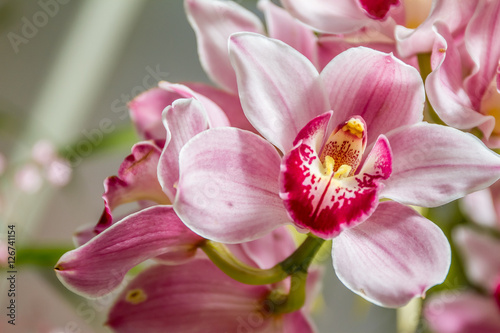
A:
x,y
297,263
229,264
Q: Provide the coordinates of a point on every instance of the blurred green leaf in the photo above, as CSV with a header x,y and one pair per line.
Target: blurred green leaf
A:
x,y
122,138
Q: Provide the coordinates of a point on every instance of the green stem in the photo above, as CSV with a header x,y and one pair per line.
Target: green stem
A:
x,y
303,256
229,264
424,64
297,262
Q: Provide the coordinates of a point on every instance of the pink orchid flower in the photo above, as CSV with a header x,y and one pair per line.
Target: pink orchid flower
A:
x,y
154,231
464,86
199,297
214,21
137,179
408,23
235,186
469,311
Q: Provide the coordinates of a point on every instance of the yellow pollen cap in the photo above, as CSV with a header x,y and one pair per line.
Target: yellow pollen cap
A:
x,y
355,126
136,296
343,172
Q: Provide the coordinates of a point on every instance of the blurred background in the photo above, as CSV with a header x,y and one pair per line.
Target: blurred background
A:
x,y
67,70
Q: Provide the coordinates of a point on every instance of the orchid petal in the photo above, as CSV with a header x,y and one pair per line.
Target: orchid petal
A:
x,y
228,102
340,16
195,297
393,256
281,25
444,86
480,254
146,109
329,46
297,322
99,266
279,88
136,180
216,117
83,234
480,208
316,197
434,164
228,186
375,86
462,312
456,14
482,30
213,23
183,120
270,249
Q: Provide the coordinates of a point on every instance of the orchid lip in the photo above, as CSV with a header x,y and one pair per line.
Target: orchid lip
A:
x,y
321,186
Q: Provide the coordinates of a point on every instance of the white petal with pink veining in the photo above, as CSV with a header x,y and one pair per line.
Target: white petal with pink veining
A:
x,y
383,90
228,186
393,256
279,88
213,22
434,164
183,120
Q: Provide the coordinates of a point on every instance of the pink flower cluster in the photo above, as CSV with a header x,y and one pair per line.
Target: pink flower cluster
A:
x,y
316,122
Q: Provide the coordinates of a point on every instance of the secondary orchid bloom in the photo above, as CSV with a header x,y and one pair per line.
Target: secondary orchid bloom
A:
x,y
344,16
408,23
468,311
137,178
234,186
152,232
198,297
463,86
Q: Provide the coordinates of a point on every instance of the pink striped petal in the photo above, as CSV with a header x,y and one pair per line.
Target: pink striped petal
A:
x,y
281,25
434,164
213,23
228,186
229,103
482,30
99,266
317,194
376,86
393,256
462,312
216,116
340,16
146,109
195,297
444,86
136,180
455,14
279,88
480,256
183,120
